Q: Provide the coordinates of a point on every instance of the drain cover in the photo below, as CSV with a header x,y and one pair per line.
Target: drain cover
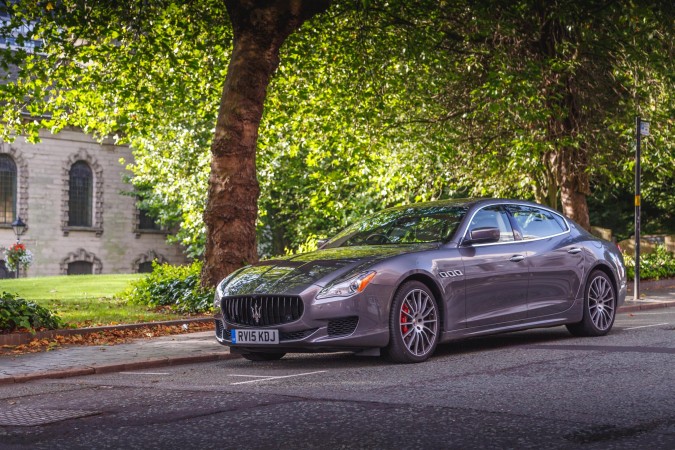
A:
x,y
27,417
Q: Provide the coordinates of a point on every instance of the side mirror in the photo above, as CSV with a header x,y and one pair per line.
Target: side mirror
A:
x,y
320,243
483,236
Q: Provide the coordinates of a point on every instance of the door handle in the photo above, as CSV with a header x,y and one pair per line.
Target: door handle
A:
x,y
574,250
517,258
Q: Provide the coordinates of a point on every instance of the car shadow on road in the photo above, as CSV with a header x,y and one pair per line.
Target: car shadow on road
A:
x,y
315,361
504,340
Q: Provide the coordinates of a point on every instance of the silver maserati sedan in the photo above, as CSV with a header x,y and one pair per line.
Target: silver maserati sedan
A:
x,y
408,278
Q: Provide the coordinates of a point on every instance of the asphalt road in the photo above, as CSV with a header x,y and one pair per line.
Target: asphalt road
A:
x,y
533,389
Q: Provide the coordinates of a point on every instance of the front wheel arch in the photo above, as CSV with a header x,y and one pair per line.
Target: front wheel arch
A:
x,y
603,305
607,270
429,282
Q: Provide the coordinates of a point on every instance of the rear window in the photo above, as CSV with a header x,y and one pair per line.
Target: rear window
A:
x,y
537,223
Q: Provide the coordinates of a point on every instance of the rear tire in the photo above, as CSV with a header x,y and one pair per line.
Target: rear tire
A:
x,y
414,325
599,307
263,356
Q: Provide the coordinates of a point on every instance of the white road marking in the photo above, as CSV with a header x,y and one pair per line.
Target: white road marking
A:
x,y
276,378
646,326
647,300
640,313
145,373
250,376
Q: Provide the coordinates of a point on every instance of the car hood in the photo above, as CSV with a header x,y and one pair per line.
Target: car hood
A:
x,y
293,274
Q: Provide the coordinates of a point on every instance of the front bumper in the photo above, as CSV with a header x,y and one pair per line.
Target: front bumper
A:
x,y
352,324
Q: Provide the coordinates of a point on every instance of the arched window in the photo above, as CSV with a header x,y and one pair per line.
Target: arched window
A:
x,y
80,268
81,262
145,267
80,195
7,189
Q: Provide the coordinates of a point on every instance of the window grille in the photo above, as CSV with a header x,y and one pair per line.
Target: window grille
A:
x,y
7,189
80,195
80,268
146,221
145,267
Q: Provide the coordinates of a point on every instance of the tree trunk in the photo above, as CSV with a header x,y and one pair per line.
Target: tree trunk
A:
x,y
260,28
574,185
568,162
569,165
574,204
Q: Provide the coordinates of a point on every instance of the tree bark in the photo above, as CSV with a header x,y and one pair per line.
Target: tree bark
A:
x,y
574,204
260,28
569,162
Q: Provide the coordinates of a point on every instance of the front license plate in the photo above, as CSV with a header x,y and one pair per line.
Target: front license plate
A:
x,y
251,336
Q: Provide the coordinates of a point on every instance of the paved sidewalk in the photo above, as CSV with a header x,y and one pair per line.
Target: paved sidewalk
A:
x,y
190,348
139,354
653,294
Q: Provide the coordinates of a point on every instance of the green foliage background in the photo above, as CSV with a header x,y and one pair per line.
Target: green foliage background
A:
x,y
653,266
177,287
374,104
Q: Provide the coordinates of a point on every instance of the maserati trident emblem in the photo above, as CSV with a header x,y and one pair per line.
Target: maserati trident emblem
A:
x,y
256,313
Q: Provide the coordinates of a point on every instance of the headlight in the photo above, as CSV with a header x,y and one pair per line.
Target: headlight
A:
x,y
347,287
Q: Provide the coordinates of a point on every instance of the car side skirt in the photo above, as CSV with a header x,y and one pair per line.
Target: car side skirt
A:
x,y
574,314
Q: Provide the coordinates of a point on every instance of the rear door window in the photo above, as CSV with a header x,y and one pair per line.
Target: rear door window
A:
x,y
535,223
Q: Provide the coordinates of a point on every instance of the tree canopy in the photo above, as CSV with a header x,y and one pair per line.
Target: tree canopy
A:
x,y
373,103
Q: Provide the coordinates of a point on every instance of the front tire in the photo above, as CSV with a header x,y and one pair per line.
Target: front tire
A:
x,y
599,307
263,356
414,324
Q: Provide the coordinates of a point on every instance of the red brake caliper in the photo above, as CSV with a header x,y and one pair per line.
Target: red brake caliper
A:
x,y
404,318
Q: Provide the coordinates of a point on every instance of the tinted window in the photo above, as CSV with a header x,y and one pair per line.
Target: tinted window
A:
x,y
7,189
145,267
80,268
146,221
79,195
410,225
536,222
493,217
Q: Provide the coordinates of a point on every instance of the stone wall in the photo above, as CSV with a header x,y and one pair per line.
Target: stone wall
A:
x,y
113,244
648,244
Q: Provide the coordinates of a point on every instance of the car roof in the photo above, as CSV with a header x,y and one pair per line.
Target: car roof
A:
x,y
466,202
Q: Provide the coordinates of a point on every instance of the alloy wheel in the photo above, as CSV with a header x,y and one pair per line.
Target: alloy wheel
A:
x,y
418,322
601,303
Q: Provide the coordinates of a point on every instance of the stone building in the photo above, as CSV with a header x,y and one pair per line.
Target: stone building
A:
x,y
80,218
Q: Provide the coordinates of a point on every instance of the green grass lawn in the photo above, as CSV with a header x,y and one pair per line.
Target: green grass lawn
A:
x,y
85,300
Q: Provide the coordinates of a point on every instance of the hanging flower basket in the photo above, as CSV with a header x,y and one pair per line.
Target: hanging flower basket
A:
x,y
18,257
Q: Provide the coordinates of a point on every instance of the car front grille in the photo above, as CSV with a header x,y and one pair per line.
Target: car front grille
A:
x,y
262,310
342,327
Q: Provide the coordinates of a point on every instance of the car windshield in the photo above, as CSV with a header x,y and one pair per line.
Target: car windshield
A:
x,y
409,225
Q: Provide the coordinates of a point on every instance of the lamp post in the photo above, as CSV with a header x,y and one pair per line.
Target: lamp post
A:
x,y
19,227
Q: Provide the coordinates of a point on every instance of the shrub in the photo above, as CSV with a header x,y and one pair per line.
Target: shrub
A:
x,y
656,265
17,313
175,286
